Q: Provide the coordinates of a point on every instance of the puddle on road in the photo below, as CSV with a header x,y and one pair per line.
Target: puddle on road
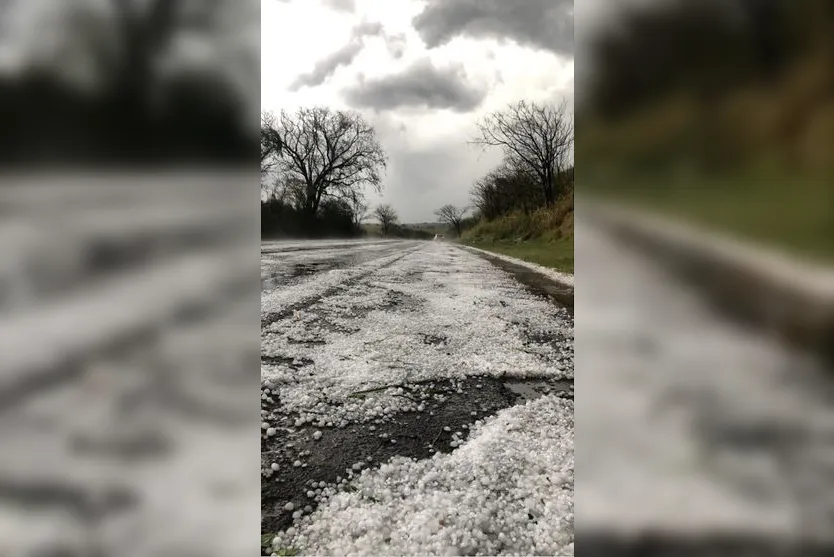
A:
x,y
532,389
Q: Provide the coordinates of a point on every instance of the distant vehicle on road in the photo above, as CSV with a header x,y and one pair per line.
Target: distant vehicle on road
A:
x,y
438,237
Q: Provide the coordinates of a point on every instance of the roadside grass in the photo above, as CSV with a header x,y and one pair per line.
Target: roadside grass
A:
x,y
793,214
544,236
556,255
266,543
267,549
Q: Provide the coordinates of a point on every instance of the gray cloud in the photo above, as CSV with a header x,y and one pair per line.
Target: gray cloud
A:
x,y
367,28
545,24
341,5
421,85
326,67
396,44
347,54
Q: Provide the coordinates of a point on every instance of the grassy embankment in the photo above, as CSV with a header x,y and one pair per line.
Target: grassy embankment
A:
x,y
544,236
734,146
713,168
792,214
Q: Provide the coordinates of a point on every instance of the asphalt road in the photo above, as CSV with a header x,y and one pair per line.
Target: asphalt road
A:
x,y
128,350
375,351
697,435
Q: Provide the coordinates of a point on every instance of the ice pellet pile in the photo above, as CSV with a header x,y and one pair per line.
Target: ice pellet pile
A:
x,y
507,490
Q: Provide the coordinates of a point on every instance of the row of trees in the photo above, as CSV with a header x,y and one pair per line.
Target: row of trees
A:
x,y
536,141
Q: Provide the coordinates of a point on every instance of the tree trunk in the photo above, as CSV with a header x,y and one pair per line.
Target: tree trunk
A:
x,y
548,187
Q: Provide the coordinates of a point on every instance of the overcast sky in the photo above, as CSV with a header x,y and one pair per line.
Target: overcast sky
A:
x,y
422,72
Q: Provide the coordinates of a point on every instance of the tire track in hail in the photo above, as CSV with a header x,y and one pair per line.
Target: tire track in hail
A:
x,y
306,302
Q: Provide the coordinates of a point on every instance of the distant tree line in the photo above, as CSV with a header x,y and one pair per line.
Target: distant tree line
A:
x,y
709,47
281,218
390,227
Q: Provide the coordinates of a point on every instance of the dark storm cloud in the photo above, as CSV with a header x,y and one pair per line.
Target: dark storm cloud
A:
x,y
326,67
545,24
347,54
421,85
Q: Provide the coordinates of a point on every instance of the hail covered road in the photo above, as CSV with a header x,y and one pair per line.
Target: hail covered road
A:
x,y
697,436
416,399
127,350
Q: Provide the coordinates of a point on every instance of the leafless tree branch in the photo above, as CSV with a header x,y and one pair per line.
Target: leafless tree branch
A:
x,y
536,140
333,153
387,217
451,215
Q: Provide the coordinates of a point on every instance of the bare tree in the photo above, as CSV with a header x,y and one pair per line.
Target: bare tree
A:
x,y
270,143
146,30
387,217
536,139
451,215
358,208
334,153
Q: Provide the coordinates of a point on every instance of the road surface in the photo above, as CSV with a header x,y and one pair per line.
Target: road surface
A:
x,y
697,436
128,374
416,399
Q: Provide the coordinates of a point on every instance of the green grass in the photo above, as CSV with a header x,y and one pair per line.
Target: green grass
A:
x,y
544,236
788,213
267,549
556,254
